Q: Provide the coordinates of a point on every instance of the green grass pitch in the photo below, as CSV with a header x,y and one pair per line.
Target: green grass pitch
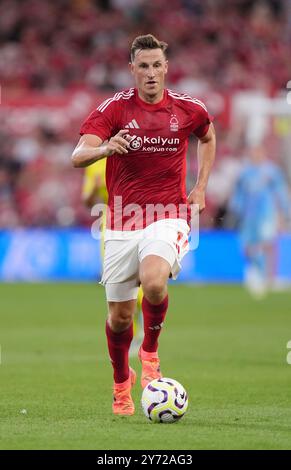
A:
x,y
229,351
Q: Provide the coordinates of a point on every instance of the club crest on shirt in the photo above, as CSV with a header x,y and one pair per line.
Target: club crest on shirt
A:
x,y
174,123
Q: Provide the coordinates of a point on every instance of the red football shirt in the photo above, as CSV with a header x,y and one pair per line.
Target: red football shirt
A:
x,y
154,170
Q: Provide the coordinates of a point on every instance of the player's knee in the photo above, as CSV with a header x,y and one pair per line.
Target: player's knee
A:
x,y
154,289
119,324
120,319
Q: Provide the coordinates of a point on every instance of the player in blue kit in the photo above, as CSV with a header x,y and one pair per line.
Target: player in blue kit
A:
x,y
259,201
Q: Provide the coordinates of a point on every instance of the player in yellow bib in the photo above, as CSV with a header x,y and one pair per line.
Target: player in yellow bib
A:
x,y
93,191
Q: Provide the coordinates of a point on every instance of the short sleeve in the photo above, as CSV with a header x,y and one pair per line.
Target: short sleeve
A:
x,y
202,120
99,123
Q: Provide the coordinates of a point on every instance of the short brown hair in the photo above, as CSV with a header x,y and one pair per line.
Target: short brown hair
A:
x,y
148,41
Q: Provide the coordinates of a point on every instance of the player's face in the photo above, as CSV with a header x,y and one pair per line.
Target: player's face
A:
x,y
149,68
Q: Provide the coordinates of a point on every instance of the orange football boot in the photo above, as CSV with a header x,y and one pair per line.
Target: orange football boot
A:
x,y
150,366
122,401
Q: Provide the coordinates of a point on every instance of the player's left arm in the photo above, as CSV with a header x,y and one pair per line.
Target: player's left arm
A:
x,y
281,189
206,156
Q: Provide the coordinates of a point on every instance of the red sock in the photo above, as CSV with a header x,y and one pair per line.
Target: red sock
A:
x,y
118,346
153,316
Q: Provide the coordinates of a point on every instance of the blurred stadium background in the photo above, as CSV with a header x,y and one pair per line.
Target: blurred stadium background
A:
x,y
58,61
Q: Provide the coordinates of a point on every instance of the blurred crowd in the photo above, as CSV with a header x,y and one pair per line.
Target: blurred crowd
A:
x,y
74,43
83,45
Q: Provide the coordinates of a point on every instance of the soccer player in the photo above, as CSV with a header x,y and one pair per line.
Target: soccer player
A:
x,y
260,199
94,184
147,128
93,191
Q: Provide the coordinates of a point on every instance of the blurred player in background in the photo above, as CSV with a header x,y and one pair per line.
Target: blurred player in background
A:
x,y
94,184
94,190
261,204
147,129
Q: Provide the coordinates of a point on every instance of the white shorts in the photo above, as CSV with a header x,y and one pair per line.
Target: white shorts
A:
x,y
124,251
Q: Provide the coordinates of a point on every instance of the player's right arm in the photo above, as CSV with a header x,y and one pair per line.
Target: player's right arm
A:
x,y
91,148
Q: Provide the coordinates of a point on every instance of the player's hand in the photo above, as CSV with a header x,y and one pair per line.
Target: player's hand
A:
x,y
197,197
119,143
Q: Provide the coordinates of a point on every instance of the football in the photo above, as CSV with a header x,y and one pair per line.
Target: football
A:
x,y
164,401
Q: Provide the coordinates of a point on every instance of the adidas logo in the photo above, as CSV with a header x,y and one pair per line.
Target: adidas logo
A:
x,y
132,125
156,327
